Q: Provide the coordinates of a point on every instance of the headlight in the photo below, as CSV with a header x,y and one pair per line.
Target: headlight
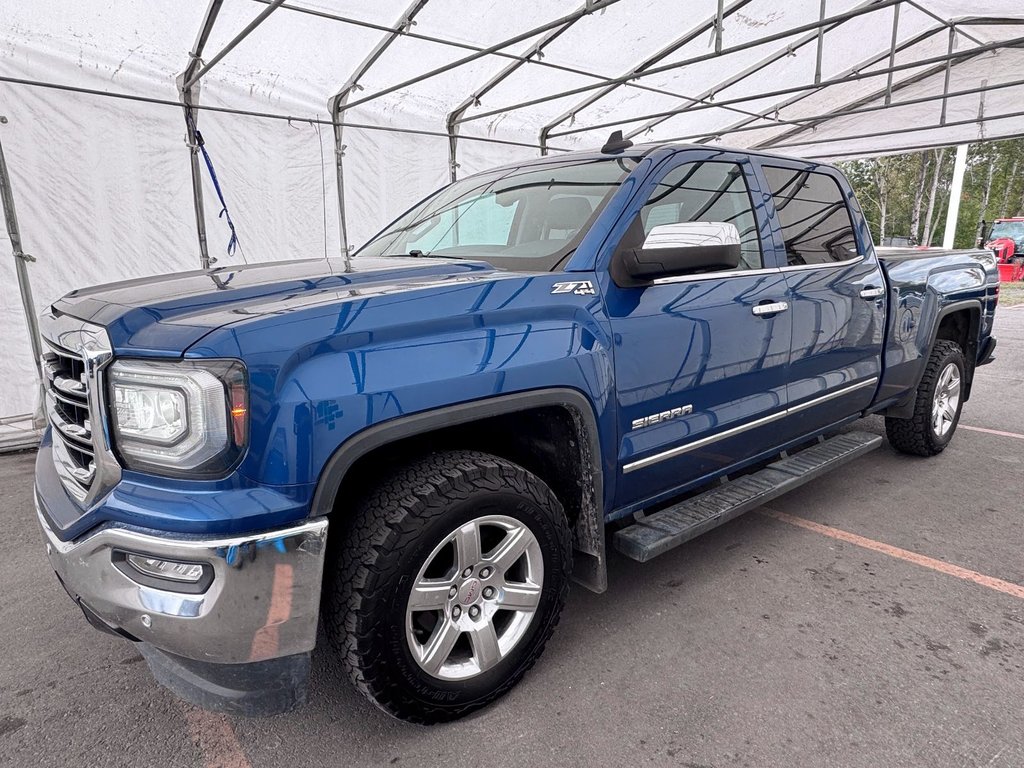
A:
x,y
179,418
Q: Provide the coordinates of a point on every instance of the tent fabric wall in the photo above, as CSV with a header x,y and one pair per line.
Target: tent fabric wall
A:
x,y
103,184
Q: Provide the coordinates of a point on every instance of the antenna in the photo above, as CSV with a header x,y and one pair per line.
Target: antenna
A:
x,y
616,144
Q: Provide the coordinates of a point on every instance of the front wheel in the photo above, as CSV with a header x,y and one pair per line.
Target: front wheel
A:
x,y
937,405
450,582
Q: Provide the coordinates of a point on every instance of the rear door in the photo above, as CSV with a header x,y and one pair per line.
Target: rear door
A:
x,y
700,370
836,294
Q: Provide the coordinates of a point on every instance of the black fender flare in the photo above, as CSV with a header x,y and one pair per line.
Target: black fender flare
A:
x,y
905,408
588,535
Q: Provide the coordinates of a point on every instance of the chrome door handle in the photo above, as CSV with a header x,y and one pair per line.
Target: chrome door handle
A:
x,y
871,292
770,309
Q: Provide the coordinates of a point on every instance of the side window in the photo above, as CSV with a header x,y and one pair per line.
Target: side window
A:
x,y
706,191
816,223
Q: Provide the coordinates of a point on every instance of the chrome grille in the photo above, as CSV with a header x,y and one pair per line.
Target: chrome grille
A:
x,y
67,408
73,361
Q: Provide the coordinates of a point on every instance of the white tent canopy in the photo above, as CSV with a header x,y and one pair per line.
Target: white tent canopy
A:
x,y
396,97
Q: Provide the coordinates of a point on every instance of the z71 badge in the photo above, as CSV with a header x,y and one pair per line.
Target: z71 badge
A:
x,y
579,287
657,418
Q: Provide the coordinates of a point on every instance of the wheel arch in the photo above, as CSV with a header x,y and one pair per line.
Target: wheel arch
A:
x,y
960,322
448,426
957,321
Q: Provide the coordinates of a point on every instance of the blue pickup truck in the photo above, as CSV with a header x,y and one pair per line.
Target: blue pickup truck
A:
x,y
415,449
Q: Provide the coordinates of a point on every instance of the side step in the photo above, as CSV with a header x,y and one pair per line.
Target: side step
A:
x,y
667,529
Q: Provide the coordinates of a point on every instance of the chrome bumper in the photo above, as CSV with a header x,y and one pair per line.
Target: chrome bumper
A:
x,y
263,601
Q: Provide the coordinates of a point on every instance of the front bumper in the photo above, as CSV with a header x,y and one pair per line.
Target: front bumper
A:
x,y
262,603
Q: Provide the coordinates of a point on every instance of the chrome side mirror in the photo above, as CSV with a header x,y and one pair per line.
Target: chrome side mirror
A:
x,y
676,249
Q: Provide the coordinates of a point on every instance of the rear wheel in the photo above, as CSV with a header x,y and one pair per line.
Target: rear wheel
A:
x,y
449,584
937,405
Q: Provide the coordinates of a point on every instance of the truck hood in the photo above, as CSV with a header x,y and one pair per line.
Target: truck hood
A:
x,y
166,314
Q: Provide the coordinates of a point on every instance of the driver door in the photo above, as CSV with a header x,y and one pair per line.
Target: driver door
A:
x,y
701,368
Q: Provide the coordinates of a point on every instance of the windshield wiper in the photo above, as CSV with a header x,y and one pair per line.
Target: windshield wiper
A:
x,y
416,253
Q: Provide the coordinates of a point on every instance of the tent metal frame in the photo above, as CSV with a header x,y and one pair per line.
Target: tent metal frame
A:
x,y
804,87
812,33
189,95
21,261
188,88
715,23
781,53
876,5
336,104
807,93
189,84
704,138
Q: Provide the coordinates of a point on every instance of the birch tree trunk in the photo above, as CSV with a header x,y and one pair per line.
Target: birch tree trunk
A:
x,y
985,197
929,230
943,205
1003,210
881,174
915,217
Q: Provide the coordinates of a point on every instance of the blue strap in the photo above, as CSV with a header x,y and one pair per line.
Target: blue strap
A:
x,y
233,242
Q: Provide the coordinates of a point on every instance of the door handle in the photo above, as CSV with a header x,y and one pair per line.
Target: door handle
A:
x,y
771,308
871,292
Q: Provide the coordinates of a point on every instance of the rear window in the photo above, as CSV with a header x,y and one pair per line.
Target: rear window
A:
x,y
816,223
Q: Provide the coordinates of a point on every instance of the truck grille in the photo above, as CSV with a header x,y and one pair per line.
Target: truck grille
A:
x,y
73,359
67,409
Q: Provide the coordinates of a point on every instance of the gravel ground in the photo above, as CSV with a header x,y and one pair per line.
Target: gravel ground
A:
x,y
759,644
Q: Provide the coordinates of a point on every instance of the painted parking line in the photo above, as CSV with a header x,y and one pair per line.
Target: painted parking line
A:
x,y
213,735
992,431
999,585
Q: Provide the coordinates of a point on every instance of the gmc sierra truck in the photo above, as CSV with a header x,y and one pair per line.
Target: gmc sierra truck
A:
x,y
416,448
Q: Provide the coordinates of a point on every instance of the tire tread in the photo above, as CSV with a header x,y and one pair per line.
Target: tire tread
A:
x,y
914,435
369,561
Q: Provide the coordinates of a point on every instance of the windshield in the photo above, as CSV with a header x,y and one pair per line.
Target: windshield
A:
x,y
1011,229
524,218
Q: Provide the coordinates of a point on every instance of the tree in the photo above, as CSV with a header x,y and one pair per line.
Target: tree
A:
x,y
940,155
922,178
898,191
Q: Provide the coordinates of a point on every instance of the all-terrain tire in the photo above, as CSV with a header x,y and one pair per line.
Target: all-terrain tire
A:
x,y
396,529
918,435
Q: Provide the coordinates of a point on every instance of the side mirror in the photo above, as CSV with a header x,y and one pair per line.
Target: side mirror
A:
x,y
678,249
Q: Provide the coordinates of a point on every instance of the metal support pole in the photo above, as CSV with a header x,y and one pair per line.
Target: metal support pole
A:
x,y
860,10
707,98
590,7
339,152
189,97
650,61
892,51
955,190
195,75
949,66
821,43
859,66
21,260
653,116
720,21
818,119
337,104
451,122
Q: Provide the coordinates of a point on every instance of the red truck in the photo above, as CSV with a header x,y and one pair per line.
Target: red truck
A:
x,y
1006,240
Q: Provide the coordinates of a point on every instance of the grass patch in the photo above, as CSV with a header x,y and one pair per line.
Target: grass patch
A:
x,y
1011,294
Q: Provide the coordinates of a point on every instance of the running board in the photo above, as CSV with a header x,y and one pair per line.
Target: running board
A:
x,y
661,531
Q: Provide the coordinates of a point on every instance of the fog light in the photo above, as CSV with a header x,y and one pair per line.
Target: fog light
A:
x,y
189,573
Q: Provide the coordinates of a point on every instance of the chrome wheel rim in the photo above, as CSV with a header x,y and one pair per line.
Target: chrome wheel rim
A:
x,y
946,400
474,597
